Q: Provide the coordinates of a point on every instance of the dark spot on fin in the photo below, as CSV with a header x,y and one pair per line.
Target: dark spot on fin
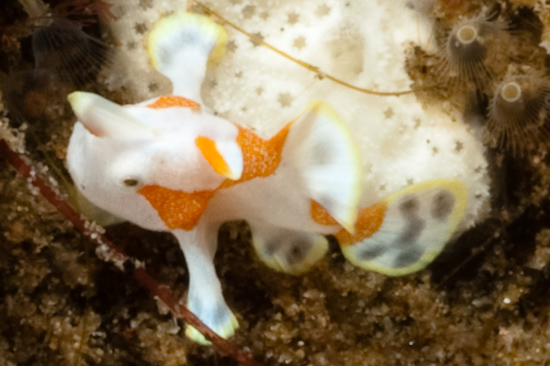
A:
x,y
297,251
372,252
412,232
442,205
409,207
271,247
408,257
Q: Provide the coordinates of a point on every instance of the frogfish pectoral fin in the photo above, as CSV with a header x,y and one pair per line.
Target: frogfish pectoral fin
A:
x,y
406,231
323,148
205,298
288,251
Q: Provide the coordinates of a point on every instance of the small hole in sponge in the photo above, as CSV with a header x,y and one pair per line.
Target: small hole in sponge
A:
x,y
231,46
293,18
459,145
300,42
322,10
248,11
285,99
146,4
140,28
259,36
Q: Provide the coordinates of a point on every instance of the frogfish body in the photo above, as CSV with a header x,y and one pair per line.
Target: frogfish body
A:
x,y
168,164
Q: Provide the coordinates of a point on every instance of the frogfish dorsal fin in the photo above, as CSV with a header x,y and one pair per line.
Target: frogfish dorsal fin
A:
x,y
181,45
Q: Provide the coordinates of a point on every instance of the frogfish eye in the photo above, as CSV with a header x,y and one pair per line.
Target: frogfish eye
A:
x,y
130,182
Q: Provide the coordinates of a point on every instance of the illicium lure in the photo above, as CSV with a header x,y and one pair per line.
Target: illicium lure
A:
x,y
167,164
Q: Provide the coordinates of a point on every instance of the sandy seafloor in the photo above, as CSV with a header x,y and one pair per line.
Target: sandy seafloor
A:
x,y
484,301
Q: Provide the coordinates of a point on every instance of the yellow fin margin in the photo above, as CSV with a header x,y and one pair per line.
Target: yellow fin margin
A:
x,y
172,23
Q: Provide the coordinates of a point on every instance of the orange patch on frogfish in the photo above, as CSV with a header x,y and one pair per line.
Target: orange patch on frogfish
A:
x,y
212,155
168,101
182,210
178,210
260,157
368,222
320,215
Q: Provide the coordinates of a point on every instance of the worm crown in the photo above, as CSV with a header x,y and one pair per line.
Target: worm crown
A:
x,y
65,49
518,112
465,45
469,47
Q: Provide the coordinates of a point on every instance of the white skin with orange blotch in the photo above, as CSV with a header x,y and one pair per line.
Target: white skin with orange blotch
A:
x,y
167,164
